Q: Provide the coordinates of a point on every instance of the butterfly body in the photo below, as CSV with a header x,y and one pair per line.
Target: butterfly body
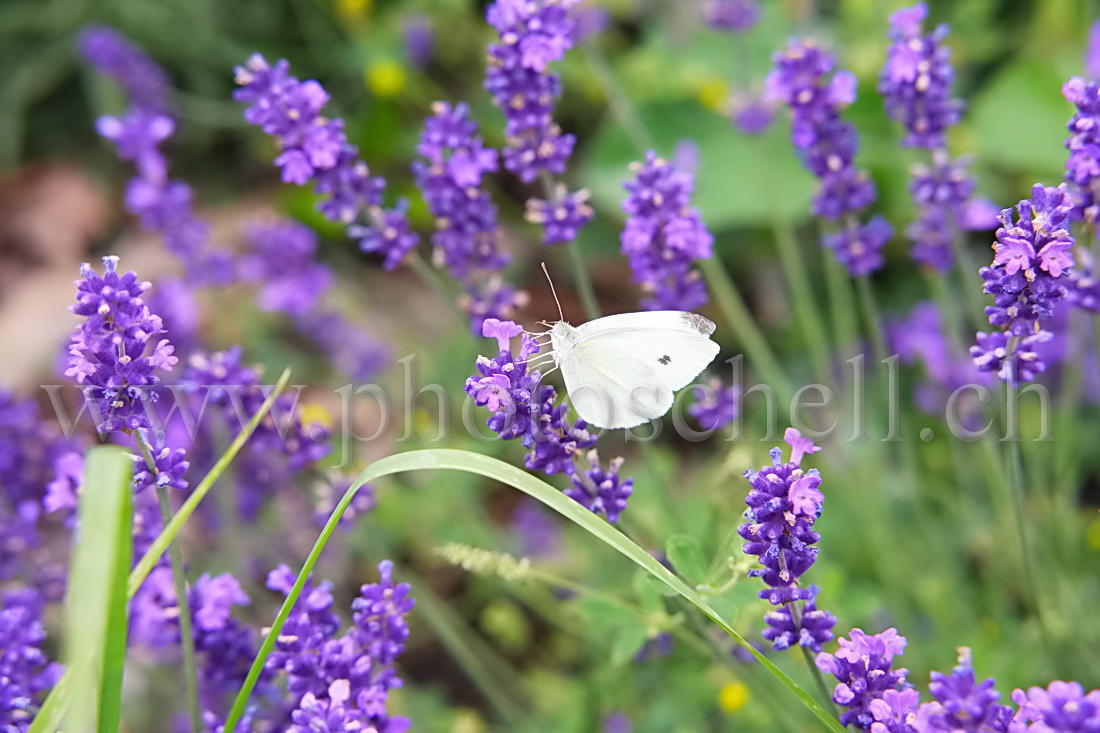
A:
x,y
621,371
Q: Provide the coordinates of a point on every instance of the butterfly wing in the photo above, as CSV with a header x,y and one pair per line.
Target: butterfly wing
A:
x,y
674,344
609,389
622,370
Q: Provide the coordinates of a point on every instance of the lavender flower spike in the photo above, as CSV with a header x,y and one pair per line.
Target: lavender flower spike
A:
x,y
961,704
664,235
108,351
315,148
865,680
1062,706
111,53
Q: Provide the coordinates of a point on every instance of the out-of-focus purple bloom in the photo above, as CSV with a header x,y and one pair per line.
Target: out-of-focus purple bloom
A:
x,y
920,338
827,145
174,301
589,20
862,669
562,216
525,408
26,673
107,353
224,646
419,37
1092,52
664,235
351,350
961,704
315,148
717,408
617,723
537,532
62,492
814,627
751,113
1083,283
283,261
655,647
1083,144
945,203
1062,706
737,16
784,502
916,80
112,54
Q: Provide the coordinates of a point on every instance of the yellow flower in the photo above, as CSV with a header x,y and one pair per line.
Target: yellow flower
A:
x,y
733,696
385,78
314,414
714,94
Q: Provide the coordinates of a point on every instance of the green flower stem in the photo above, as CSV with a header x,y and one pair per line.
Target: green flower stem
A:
x,y
870,314
741,321
149,560
179,577
436,459
841,303
822,688
802,297
431,277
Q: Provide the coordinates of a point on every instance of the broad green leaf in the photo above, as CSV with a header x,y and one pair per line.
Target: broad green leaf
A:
x,y
436,459
95,600
686,557
742,180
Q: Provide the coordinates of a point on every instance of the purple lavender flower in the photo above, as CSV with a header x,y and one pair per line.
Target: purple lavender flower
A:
x,y
1062,706
283,261
224,646
664,235
827,145
617,723
751,113
351,350
537,533
419,37
315,148
737,16
916,86
1083,143
813,628
894,711
916,80
525,408
920,338
168,469
961,704
108,351
112,54
532,35
717,409
68,482
1031,262
174,300
337,681
784,503
862,669
561,216
26,673
453,162
601,491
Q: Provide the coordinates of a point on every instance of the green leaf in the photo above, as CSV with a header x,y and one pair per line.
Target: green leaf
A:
x,y
1020,119
686,557
742,180
94,641
626,642
436,459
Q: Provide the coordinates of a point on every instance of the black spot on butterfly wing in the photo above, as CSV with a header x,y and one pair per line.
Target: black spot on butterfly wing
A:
x,y
666,359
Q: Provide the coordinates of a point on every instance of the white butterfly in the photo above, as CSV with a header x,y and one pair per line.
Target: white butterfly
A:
x,y
621,371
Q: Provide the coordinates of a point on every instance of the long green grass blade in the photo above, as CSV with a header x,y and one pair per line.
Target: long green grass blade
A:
x,y
95,600
54,708
436,459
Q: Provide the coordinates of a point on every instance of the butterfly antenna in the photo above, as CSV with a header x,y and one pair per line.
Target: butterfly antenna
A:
x,y
552,291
